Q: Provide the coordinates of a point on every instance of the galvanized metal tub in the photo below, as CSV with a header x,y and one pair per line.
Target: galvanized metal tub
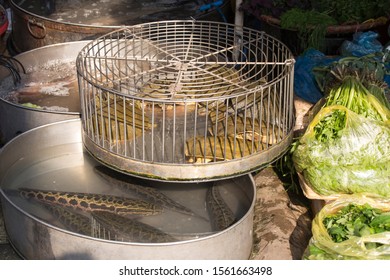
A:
x,y
35,238
35,27
14,118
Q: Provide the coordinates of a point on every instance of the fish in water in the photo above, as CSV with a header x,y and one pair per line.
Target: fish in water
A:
x,y
130,230
145,192
90,202
219,148
221,215
73,221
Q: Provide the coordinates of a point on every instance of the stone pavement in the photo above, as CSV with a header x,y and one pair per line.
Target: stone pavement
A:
x,y
282,220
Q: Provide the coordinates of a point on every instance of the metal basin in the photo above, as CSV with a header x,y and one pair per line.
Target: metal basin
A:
x,y
59,162
14,118
39,23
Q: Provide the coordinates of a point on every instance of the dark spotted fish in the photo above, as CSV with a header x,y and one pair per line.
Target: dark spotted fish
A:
x,y
118,119
221,215
219,148
72,220
248,129
90,202
130,230
147,193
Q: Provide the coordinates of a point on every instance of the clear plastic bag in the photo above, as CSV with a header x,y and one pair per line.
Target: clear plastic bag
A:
x,y
321,245
357,161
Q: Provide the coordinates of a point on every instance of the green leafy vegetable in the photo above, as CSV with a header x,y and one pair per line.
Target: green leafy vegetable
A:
x,y
353,11
356,220
31,105
311,26
351,227
330,126
343,152
353,95
346,147
368,73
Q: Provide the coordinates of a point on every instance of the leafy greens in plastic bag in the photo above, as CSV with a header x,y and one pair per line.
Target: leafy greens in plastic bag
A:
x,y
344,152
351,227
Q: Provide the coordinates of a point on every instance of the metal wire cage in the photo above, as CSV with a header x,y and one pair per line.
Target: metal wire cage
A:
x,y
186,100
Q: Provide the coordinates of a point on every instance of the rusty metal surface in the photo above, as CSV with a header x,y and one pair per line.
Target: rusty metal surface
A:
x,y
34,28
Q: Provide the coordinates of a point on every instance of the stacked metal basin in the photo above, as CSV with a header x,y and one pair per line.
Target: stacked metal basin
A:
x,y
16,118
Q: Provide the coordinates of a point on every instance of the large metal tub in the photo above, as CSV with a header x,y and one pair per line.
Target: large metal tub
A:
x,y
14,118
35,27
34,238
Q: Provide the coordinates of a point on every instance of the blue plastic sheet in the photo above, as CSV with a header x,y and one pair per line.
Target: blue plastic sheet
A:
x,y
387,62
305,85
363,43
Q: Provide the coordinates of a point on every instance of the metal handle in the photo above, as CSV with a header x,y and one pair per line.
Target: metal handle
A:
x,y
33,22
